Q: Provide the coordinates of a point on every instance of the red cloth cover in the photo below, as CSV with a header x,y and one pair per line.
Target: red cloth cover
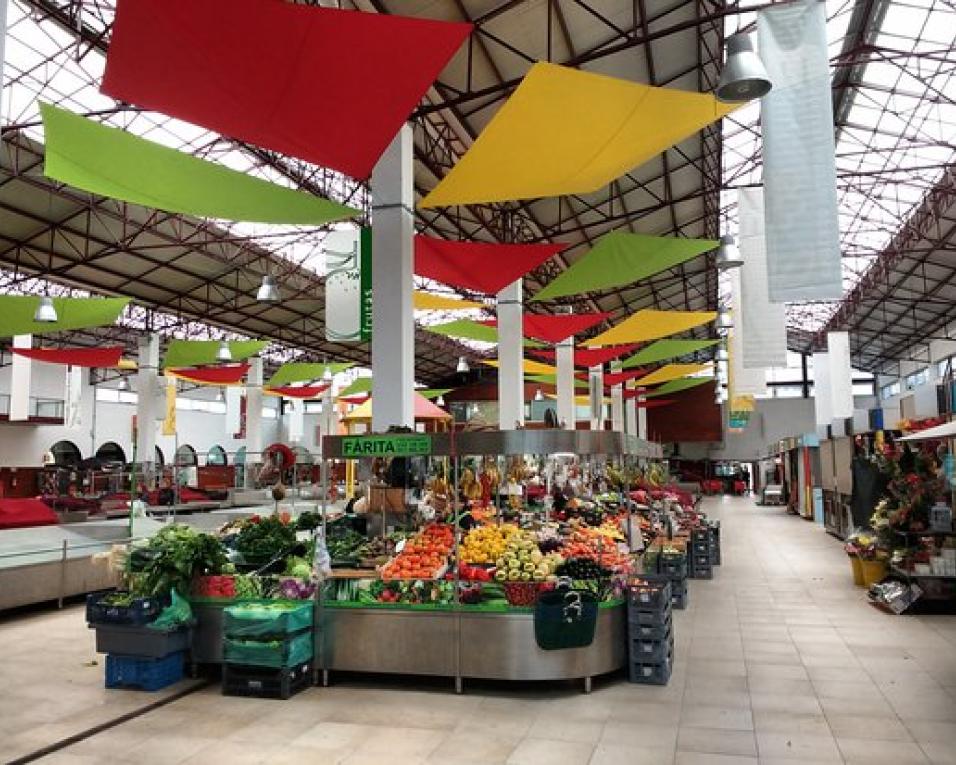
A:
x,y
76,357
226,375
26,512
299,391
478,266
328,86
554,329
589,357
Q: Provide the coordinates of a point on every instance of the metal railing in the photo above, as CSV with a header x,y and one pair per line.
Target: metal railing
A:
x,y
50,408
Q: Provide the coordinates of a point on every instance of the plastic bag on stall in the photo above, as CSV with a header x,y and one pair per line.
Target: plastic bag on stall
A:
x,y
322,561
176,614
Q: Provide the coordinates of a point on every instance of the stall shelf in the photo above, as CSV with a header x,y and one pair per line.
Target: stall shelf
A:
x,y
454,639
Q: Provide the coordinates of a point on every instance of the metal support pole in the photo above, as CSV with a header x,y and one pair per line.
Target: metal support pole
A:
x,y
59,601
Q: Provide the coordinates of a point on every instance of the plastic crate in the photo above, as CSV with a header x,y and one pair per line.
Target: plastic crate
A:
x,y
265,682
149,674
267,619
140,611
651,593
700,535
679,597
651,651
674,566
703,572
134,640
638,631
295,650
653,618
700,548
651,674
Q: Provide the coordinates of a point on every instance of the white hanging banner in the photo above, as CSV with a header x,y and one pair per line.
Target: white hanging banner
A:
x,y
233,410
799,167
21,370
743,381
296,420
822,400
72,395
763,325
841,374
348,285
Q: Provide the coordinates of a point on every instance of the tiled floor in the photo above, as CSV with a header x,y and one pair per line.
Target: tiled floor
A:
x,y
779,660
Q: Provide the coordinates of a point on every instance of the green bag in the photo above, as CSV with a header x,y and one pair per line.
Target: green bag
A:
x,y
177,614
266,619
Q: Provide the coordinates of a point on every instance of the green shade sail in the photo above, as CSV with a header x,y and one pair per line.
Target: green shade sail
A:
x,y
678,385
662,350
468,329
620,258
552,380
197,353
359,385
298,371
16,314
432,393
113,163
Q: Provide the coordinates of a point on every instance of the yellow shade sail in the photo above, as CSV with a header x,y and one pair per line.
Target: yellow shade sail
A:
x,y
565,131
583,400
670,372
650,324
530,367
426,301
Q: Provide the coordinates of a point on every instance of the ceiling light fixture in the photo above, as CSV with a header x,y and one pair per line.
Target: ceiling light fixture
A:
x,y
45,312
123,384
440,400
728,256
225,352
462,367
268,290
744,77
538,395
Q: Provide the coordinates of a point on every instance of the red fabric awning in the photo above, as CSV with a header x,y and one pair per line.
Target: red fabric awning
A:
x,y
590,357
328,86
554,329
355,400
616,378
224,375
478,266
76,357
298,391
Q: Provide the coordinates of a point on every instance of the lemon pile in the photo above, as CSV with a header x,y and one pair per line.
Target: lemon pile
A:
x,y
485,544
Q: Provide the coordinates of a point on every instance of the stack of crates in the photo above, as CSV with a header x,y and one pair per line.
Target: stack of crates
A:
x,y
650,630
699,561
267,649
714,528
673,565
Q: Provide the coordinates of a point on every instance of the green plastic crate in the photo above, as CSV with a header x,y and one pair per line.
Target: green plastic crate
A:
x,y
269,653
266,619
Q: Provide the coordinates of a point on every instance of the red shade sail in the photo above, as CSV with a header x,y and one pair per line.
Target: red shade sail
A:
x,y
225,375
298,391
328,86
590,357
554,329
478,266
616,378
76,357
356,400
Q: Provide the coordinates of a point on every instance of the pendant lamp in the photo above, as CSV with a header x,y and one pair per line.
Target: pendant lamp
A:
x,y
724,318
224,353
268,290
744,77
327,374
728,256
462,367
440,401
46,311
538,395
123,384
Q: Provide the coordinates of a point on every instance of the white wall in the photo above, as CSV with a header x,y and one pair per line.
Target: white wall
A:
x,y
24,445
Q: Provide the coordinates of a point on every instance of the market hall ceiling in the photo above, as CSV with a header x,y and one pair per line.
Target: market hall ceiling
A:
x,y
184,270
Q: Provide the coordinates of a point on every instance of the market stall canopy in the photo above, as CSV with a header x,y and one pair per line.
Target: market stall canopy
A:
x,y
670,372
469,329
427,301
197,353
619,259
116,164
478,266
530,367
650,324
667,349
424,410
17,311
937,433
328,86
675,386
554,329
74,357
229,374
303,392
566,131
299,371
551,380
590,357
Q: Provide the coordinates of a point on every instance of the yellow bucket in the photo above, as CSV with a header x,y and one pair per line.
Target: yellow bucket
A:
x,y
857,565
873,571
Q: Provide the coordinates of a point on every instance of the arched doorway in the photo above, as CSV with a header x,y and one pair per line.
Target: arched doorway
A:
x,y
111,454
61,464
64,454
187,473
216,456
160,457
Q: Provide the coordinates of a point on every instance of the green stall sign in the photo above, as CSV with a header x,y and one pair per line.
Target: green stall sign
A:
x,y
386,446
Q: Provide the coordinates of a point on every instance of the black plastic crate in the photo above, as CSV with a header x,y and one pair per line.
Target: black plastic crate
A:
x,y
654,618
651,674
140,611
703,572
701,535
265,682
679,598
638,631
651,592
699,548
136,640
651,651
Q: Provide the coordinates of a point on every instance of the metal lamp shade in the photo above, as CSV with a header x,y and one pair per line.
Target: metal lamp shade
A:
x,y
45,312
327,374
724,318
728,256
462,367
268,290
722,354
538,395
224,353
744,76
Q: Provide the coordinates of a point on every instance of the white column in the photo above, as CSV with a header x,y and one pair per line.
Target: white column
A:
x,y
617,401
630,410
393,325
147,392
253,420
596,390
642,420
21,370
327,419
510,357
564,357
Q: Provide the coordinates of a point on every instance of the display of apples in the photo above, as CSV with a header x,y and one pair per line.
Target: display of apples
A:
x,y
522,561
